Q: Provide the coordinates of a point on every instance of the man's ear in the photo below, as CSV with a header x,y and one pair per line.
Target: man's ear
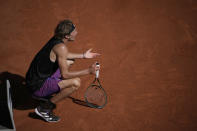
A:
x,y
67,36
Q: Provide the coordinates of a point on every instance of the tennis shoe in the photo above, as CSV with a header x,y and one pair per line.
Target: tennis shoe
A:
x,y
48,116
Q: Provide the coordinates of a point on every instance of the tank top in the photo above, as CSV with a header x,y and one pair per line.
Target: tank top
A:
x,y
41,66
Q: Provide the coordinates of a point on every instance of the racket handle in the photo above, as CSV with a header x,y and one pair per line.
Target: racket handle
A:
x,y
97,72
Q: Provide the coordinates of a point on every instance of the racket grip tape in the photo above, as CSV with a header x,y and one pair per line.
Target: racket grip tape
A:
x,y
97,72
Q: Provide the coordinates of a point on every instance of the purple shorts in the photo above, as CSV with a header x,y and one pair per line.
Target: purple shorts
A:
x,y
50,86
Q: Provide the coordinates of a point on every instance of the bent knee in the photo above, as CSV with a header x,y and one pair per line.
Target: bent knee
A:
x,y
77,82
75,87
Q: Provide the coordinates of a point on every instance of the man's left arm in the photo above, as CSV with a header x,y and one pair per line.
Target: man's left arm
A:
x,y
86,55
75,56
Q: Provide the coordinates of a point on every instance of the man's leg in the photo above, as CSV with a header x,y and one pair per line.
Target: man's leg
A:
x,y
67,87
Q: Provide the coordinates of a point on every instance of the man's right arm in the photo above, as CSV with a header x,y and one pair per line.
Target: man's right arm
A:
x,y
61,54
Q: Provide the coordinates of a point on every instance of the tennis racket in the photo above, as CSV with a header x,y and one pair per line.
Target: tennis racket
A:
x,y
95,95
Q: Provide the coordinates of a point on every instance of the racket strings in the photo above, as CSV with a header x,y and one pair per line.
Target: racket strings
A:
x,y
95,95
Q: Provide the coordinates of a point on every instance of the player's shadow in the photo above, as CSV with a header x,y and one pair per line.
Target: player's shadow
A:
x,y
21,97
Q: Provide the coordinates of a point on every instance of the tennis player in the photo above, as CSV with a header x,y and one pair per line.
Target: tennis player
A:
x,y
49,75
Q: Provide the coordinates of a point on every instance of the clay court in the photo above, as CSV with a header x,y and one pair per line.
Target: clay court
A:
x,y
148,61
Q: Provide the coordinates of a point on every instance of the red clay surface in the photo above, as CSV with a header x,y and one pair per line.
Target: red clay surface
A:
x,y
148,60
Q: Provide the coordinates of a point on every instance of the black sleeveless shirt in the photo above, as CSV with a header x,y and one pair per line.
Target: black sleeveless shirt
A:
x,y
41,67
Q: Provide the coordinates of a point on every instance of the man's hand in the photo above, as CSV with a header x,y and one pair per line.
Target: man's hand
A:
x,y
93,68
89,54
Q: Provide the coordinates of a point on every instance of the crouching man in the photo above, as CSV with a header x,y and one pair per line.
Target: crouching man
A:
x,y
48,73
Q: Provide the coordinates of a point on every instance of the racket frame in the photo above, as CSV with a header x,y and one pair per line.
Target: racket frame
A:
x,y
99,86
